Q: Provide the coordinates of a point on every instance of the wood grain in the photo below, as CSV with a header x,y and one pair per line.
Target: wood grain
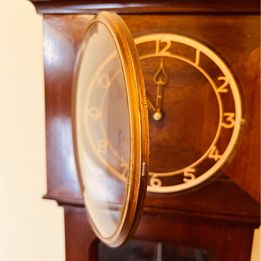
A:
x,y
223,242
63,34
221,215
146,6
80,241
61,37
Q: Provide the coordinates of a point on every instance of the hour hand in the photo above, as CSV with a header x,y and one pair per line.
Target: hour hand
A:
x,y
160,79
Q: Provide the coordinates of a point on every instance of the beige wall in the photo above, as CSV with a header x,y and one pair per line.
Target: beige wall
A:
x,y
31,229
256,247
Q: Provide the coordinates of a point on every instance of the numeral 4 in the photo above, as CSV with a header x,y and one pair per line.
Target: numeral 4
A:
x,y
214,154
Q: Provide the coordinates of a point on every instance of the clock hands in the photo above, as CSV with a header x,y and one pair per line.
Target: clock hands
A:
x,y
160,79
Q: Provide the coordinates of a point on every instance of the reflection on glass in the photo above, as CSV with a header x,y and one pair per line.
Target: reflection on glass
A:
x,y
102,130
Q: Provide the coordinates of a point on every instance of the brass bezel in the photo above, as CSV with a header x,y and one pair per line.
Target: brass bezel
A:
x,y
139,130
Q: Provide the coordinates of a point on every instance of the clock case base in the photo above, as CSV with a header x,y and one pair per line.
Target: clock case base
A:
x,y
222,241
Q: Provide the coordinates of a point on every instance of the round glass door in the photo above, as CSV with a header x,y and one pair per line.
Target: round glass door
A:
x,y
110,128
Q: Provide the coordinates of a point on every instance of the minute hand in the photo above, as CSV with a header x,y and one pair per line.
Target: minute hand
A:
x,y
160,79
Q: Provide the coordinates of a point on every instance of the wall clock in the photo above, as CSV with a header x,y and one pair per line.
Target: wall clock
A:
x,y
111,127
194,128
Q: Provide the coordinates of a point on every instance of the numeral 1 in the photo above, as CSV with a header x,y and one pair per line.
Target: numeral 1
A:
x,y
197,59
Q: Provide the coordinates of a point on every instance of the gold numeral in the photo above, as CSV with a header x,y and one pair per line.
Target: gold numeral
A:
x,y
162,46
197,57
229,121
189,174
223,88
155,182
102,146
124,166
104,81
214,154
94,113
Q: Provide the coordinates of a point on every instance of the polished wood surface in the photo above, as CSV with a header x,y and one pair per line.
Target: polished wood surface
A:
x,y
238,47
59,40
222,241
146,6
80,241
236,40
221,215
248,154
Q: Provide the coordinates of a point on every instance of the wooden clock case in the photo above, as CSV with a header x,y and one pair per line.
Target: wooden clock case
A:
x,y
219,217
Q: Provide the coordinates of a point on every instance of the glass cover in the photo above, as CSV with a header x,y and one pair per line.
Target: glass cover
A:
x,y
103,136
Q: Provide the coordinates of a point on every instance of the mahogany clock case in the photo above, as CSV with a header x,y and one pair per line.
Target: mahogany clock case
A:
x,y
241,55
227,207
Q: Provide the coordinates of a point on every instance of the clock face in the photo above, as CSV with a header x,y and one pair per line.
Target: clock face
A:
x,y
110,128
195,111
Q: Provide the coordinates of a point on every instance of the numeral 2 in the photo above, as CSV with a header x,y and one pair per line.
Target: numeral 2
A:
x,y
223,88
